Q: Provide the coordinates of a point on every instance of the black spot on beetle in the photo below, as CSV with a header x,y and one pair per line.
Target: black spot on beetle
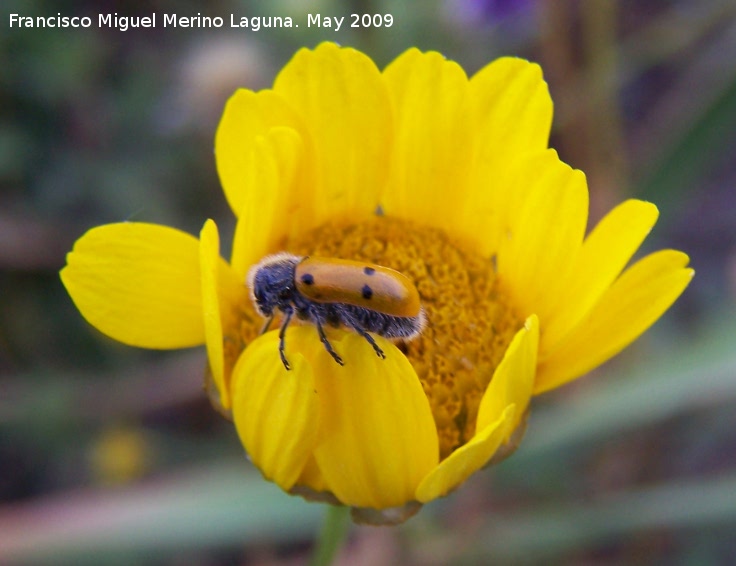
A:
x,y
308,279
367,292
369,270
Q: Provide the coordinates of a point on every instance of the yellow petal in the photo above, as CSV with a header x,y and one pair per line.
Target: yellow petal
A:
x,y
631,305
281,206
378,438
311,477
495,194
512,109
209,252
341,97
544,235
248,116
276,411
139,284
434,140
466,460
513,379
224,297
604,254
511,114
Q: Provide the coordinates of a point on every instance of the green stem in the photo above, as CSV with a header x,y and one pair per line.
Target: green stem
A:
x,y
332,536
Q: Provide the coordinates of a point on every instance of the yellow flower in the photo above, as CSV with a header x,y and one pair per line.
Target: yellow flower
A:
x,y
445,178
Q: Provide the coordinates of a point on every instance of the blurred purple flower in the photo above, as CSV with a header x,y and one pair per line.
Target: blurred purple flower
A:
x,y
487,11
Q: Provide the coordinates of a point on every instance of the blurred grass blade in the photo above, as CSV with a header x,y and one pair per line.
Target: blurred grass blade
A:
x,y
542,533
216,507
690,130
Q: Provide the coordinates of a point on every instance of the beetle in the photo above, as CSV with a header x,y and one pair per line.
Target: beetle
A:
x,y
360,296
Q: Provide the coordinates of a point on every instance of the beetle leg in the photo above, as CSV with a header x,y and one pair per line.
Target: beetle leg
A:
x,y
267,324
328,346
282,334
372,342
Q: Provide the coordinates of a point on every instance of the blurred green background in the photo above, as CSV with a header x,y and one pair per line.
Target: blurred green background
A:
x,y
113,455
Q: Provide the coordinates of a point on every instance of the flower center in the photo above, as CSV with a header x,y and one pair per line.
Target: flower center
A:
x,y
470,322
